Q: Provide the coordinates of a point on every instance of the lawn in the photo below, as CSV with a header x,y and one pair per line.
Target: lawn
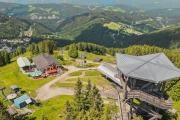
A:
x,y
52,108
106,58
92,73
78,73
11,75
176,105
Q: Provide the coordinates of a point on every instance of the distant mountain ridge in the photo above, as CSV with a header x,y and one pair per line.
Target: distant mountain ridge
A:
x,y
111,26
11,27
106,29
143,4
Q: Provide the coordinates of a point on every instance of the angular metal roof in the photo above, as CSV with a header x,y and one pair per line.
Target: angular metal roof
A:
x,y
154,67
43,61
21,99
110,72
23,62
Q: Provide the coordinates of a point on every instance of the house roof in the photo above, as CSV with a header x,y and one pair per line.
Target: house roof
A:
x,y
23,62
21,99
35,73
153,68
43,61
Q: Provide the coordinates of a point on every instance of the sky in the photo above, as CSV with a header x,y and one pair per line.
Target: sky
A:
x,y
149,4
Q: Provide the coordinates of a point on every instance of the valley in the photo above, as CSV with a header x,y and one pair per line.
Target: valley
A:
x,y
108,26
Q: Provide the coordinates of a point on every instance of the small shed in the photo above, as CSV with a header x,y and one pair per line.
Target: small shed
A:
x,y
22,101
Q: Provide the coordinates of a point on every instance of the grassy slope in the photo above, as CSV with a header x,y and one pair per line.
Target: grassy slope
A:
x,y
89,56
176,105
78,73
52,108
121,27
109,59
11,75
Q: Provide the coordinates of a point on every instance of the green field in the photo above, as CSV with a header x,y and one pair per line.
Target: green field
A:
x,y
78,73
89,57
52,108
176,105
92,73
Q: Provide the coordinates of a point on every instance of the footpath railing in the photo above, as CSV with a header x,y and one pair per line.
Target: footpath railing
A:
x,y
153,100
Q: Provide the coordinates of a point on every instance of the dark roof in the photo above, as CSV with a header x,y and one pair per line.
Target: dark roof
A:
x,y
153,68
43,61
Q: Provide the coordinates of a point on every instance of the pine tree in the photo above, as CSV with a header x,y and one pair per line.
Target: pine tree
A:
x,y
73,51
78,96
87,101
98,106
88,104
69,113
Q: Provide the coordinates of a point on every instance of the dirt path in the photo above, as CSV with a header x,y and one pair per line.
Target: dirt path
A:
x,y
46,91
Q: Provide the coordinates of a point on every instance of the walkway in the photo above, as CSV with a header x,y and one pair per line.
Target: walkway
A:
x,y
153,100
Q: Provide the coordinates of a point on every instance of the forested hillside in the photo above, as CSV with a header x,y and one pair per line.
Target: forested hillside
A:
x,y
114,30
11,27
166,38
51,15
105,28
47,14
111,26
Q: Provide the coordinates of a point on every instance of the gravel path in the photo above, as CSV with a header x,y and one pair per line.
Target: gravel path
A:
x,y
46,91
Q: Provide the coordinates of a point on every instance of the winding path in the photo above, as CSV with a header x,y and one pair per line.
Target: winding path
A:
x,y
46,91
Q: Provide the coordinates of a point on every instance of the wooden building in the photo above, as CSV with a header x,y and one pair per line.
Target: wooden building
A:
x,y
46,63
143,78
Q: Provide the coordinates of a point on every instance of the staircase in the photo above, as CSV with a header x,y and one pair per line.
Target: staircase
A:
x,y
153,100
152,114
